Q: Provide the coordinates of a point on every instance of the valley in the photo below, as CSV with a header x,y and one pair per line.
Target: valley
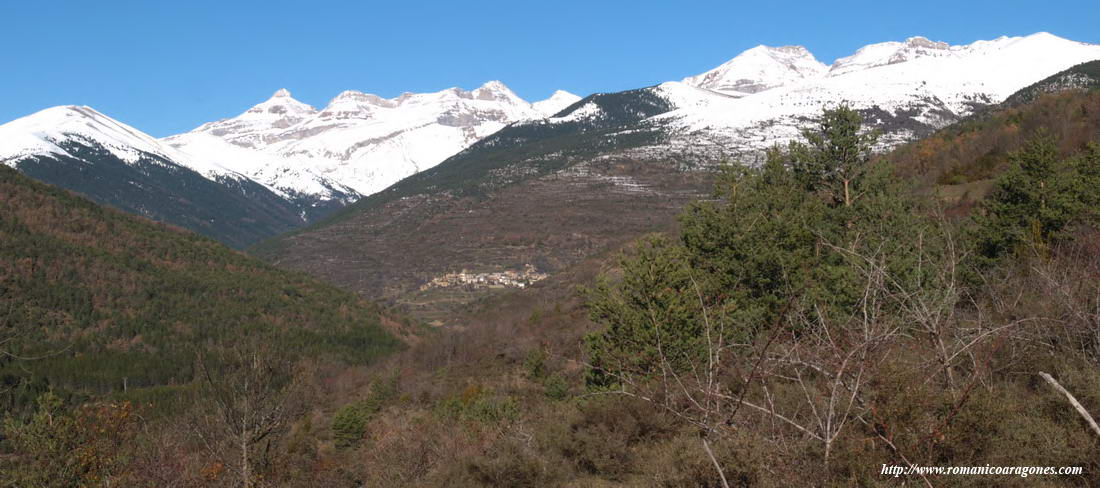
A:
x,y
772,273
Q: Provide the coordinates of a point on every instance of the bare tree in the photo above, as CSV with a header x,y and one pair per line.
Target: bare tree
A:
x,y
252,396
810,369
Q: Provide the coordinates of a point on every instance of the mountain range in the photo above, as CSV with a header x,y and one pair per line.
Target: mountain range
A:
x,y
613,166
361,140
278,166
283,165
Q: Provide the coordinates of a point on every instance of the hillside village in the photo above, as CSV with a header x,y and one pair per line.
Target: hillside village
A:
x,y
501,279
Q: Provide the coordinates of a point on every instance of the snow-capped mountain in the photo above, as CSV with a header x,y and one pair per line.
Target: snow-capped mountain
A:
x,y
766,95
556,103
759,69
621,163
359,142
50,131
283,163
110,162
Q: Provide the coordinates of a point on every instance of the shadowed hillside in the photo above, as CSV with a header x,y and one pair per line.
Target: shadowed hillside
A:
x,y
107,301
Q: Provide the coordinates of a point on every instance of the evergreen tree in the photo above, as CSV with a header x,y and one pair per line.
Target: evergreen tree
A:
x,y
651,315
791,230
1086,181
1032,204
835,155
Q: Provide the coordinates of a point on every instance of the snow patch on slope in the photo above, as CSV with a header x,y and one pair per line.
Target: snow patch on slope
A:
x,y
201,149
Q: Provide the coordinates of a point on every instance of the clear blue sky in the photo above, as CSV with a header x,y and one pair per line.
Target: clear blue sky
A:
x,y
168,66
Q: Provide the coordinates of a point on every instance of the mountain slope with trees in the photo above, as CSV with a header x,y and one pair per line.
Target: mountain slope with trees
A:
x,y
1084,76
237,212
961,161
106,302
786,331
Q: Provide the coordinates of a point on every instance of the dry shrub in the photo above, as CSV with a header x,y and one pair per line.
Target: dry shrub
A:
x,y
682,462
602,435
513,463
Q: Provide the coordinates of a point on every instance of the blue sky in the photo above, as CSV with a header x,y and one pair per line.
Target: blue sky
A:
x,y
168,66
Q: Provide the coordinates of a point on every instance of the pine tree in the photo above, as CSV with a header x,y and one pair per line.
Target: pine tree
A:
x,y
835,155
1032,204
1086,184
787,230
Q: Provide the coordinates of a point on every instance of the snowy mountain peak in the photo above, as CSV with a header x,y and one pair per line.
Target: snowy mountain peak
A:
x,y
556,103
913,87
354,95
1041,35
495,86
361,140
352,103
760,68
495,90
924,42
48,132
281,106
893,52
251,127
778,51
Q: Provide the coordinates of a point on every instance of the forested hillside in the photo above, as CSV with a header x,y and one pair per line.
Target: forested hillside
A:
x,y
978,149
106,301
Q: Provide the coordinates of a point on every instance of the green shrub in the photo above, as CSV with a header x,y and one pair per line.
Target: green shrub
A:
x,y
535,364
477,404
557,388
350,421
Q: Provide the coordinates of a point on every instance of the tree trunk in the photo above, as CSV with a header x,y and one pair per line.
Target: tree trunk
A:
x,y
246,468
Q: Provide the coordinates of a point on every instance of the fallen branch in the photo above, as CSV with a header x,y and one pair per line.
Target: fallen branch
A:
x,y
721,474
1077,405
